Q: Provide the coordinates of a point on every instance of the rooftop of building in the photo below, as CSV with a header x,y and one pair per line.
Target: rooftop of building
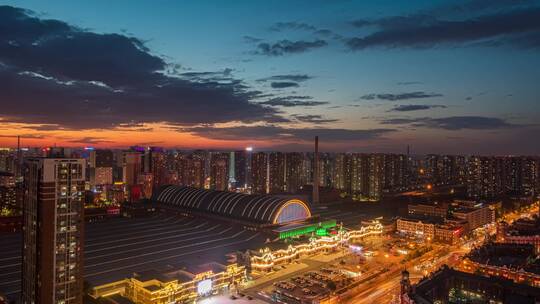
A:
x,y
183,274
113,299
151,274
513,256
256,209
429,204
449,226
525,227
423,219
440,282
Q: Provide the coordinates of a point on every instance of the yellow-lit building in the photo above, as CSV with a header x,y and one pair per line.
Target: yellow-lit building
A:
x,y
265,259
180,286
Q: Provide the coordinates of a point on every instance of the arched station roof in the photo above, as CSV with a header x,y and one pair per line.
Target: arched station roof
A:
x,y
261,209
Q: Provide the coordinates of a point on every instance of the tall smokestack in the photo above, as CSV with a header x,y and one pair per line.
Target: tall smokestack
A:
x,y
18,170
316,177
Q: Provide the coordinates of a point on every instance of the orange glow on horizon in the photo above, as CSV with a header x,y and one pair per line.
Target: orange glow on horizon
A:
x,y
156,135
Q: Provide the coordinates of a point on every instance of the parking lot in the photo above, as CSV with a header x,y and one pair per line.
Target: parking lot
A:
x,y
311,286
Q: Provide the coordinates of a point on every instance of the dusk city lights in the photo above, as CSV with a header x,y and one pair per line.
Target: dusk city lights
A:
x,y
279,151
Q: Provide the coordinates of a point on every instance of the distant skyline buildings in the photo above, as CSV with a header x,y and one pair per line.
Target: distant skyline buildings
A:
x,y
138,172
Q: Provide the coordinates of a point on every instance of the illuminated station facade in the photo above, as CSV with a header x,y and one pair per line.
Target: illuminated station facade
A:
x,y
282,217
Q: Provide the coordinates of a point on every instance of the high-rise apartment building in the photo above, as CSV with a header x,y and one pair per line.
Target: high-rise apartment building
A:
x,y
7,161
240,168
100,167
375,176
339,171
158,167
101,158
395,172
194,170
485,177
277,172
219,171
132,167
259,173
8,191
293,172
53,213
521,175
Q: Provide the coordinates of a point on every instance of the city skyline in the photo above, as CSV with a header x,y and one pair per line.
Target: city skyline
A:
x,y
365,77
269,151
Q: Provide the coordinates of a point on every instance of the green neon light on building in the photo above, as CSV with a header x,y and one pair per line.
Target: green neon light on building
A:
x,y
309,229
321,232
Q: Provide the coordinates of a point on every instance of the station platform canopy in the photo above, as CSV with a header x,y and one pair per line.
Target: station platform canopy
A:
x,y
259,209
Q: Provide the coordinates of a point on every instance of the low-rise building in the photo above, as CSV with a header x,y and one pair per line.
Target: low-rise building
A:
x,y
476,216
419,226
522,231
265,259
182,286
435,229
452,286
428,210
448,233
516,262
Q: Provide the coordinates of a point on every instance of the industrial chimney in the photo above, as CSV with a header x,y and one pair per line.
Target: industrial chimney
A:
x,y
316,178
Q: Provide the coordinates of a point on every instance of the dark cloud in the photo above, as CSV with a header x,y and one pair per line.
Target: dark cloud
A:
x,y
288,77
280,133
324,32
517,27
148,143
284,84
293,101
362,22
251,39
479,6
401,96
23,136
43,127
301,26
222,77
89,140
409,108
454,123
409,82
279,26
317,119
57,74
284,47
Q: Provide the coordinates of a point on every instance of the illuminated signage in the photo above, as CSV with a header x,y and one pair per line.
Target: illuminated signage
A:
x,y
355,248
204,287
321,232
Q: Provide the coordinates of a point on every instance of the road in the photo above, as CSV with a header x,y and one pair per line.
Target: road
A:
x,y
385,289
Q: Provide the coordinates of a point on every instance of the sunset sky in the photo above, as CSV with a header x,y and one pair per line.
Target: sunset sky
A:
x,y
442,76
